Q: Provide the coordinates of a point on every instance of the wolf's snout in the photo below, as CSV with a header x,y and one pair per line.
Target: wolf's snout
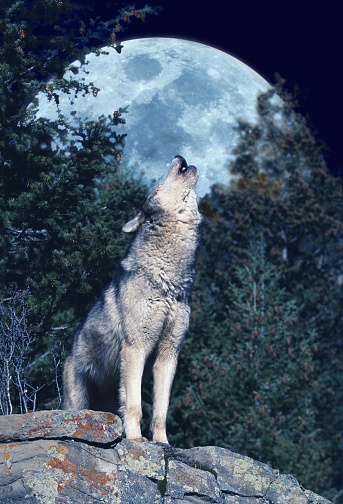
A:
x,y
182,163
183,166
181,159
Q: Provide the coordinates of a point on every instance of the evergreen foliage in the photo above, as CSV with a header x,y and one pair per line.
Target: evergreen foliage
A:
x,y
61,209
261,368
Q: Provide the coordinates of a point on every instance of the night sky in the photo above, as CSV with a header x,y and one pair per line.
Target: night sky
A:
x,y
299,40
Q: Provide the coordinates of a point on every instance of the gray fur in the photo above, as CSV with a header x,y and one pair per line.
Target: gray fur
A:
x,y
145,309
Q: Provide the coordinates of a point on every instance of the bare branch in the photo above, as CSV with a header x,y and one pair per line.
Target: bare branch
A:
x,y
15,341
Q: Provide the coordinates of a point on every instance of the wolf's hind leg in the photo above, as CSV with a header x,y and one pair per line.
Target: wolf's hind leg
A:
x,y
74,387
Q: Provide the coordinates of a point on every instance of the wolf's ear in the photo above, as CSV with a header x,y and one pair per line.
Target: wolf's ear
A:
x,y
134,224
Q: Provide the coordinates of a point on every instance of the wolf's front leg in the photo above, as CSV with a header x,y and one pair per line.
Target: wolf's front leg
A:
x,y
132,361
164,371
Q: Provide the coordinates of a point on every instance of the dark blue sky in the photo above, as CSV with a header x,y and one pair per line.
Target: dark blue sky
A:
x,y
300,40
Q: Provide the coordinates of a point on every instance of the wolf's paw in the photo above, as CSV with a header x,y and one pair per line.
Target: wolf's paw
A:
x,y
163,445
139,439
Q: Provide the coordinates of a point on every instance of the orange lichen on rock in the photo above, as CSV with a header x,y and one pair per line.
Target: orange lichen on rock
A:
x,y
69,473
8,462
86,427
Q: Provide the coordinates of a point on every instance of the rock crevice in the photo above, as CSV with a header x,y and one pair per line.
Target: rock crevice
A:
x,y
81,457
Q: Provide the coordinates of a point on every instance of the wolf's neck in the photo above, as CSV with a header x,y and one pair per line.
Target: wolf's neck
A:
x,y
165,253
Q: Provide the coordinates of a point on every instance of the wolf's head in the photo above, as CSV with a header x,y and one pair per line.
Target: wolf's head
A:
x,y
175,196
181,177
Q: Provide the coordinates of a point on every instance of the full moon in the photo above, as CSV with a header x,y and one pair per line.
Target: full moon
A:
x,y
183,97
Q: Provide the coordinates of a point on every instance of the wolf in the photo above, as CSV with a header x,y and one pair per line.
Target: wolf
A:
x,y
144,311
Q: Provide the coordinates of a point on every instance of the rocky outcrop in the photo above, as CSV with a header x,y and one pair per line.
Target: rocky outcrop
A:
x,y
80,457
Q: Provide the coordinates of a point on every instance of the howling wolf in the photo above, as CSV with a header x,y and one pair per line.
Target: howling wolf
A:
x,y
144,310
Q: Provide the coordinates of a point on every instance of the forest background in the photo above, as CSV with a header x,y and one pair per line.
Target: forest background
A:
x,y
261,369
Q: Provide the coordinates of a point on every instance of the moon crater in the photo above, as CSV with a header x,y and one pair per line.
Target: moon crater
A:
x,y
142,68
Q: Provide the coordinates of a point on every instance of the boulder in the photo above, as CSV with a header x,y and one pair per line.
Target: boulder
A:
x,y
77,457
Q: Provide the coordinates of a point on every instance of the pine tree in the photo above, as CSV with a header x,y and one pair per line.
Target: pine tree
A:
x,y
280,189
61,210
255,389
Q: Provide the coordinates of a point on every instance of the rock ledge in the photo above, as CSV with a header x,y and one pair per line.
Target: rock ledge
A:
x,y
80,457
